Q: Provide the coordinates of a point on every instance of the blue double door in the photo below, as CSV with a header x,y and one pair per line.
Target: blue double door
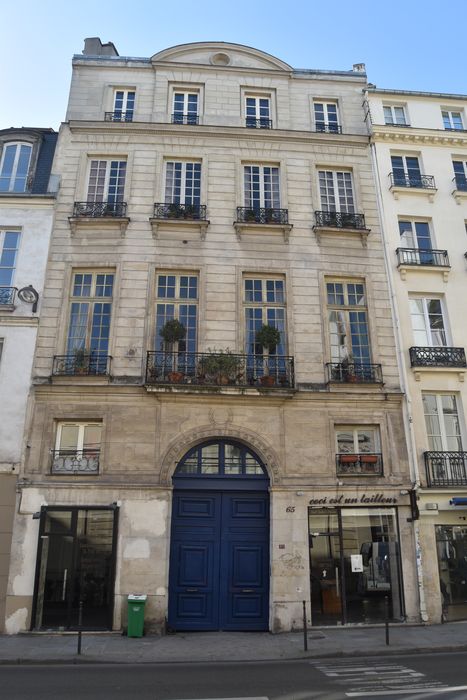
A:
x,y
219,561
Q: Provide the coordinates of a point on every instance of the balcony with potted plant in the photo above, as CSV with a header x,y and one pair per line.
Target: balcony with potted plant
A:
x,y
262,220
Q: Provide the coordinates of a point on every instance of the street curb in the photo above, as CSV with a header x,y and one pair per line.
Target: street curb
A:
x,y
307,656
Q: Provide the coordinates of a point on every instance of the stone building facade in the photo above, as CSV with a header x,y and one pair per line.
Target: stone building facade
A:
x,y
419,146
225,475
26,217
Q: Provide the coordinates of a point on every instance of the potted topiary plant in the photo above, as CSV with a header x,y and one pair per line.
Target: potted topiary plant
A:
x,y
80,361
220,366
269,338
172,332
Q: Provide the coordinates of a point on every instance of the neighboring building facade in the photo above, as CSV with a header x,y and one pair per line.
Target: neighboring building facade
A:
x,y
419,143
26,218
228,474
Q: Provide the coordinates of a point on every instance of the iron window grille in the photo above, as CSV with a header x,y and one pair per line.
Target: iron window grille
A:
x,y
437,357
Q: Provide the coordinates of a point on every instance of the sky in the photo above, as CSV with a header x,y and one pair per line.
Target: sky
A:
x,y
405,44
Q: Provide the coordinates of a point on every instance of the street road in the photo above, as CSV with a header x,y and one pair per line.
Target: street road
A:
x,y
415,677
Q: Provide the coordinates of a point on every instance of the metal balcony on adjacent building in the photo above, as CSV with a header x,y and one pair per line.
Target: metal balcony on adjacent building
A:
x,y
425,256
187,119
460,183
118,116
261,123
437,357
219,369
96,210
186,212
75,461
81,364
7,296
446,469
359,464
338,219
353,373
262,215
425,182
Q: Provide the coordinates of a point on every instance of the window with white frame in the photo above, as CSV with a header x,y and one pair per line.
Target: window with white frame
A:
x,y
442,422
124,105
354,439
336,191
177,298
14,167
428,324
348,322
77,448
9,245
452,120
78,438
406,171
261,186
185,107
182,183
264,305
326,117
258,111
106,181
416,243
460,174
395,115
90,315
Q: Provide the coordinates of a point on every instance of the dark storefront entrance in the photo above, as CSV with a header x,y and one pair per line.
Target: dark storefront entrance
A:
x,y
75,562
354,565
451,543
219,553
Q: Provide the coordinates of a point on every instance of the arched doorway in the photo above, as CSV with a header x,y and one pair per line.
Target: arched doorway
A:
x,y
219,550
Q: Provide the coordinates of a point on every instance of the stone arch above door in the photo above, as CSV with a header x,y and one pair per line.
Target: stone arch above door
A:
x,y
185,441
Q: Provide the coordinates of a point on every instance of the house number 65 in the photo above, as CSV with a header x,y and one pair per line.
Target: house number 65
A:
x,y
290,509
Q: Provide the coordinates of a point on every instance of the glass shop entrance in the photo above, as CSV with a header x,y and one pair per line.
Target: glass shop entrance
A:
x,y
355,569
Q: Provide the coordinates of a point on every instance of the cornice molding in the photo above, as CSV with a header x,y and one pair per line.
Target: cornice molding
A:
x,y
418,137
204,130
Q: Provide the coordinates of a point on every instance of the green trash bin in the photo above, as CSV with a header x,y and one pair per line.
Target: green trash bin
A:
x,y
136,605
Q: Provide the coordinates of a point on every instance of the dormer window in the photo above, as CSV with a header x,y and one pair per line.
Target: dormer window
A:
x,y
14,167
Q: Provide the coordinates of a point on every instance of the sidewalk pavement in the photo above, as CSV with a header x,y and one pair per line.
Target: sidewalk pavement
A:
x,y
186,647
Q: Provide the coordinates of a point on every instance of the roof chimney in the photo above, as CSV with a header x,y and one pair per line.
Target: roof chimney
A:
x,y
93,46
359,68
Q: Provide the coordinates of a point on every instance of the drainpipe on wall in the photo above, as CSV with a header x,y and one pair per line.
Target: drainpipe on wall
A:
x,y
407,404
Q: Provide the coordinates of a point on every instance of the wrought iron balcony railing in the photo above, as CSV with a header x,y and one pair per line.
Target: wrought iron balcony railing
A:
x,y
446,469
99,209
339,219
167,210
262,215
178,118
424,182
119,116
359,464
427,256
437,357
7,296
75,461
81,364
460,183
261,123
324,128
219,369
354,373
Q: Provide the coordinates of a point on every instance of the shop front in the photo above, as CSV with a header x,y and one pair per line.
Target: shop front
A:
x,y
355,562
